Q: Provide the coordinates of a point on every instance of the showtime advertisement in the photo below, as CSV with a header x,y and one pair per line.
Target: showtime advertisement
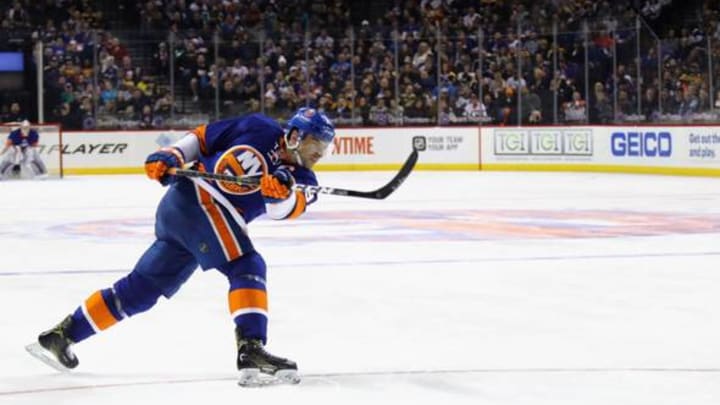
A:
x,y
386,148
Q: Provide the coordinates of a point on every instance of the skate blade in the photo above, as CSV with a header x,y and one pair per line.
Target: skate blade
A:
x,y
253,378
45,356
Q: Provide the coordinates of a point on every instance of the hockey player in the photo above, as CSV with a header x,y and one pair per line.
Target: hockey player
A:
x,y
199,222
20,152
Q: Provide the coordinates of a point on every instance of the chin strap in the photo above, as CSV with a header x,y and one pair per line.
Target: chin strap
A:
x,y
293,149
297,157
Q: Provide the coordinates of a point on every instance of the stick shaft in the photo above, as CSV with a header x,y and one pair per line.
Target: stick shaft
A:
x,y
254,180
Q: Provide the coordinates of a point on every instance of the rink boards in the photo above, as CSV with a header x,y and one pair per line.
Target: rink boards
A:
x,y
686,150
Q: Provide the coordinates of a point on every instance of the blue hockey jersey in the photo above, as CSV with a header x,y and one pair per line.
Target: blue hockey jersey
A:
x,y
16,138
209,218
245,146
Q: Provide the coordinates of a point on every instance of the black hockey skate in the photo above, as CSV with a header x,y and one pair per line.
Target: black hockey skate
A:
x,y
53,347
258,367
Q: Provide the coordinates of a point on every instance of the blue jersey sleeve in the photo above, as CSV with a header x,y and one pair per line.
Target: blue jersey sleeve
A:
x,y
304,176
15,137
33,137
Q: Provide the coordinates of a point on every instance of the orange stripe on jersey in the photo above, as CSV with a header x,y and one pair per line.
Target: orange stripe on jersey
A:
x,y
200,133
98,310
220,225
235,165
245,298
300,205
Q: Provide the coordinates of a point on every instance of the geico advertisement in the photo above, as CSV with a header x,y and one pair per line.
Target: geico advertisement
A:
x,y
537,144
645,143
663,146
392,145
701,145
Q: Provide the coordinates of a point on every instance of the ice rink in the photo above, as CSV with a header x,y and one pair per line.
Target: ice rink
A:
x,y
460,288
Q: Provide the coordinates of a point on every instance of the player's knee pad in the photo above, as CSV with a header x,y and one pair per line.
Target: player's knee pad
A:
x,y
247,298
135,293
247,271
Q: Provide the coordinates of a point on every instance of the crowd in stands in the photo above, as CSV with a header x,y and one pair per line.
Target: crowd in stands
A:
x,y
236,56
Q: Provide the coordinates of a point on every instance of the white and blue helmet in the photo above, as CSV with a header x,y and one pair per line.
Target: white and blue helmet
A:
x,y
313,122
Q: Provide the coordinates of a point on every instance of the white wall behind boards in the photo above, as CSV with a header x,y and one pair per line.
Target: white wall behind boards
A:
x,y
693,150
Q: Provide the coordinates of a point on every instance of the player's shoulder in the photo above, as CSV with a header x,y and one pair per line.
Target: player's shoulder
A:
x,y
259,120
254,118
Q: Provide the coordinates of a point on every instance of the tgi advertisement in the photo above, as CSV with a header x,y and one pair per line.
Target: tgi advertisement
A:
x,y
516,148
542,144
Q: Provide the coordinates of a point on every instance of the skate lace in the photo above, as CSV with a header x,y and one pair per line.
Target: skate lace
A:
x,y
258,347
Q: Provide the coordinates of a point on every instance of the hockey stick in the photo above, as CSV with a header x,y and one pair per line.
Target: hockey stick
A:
x,y
247,180
253,180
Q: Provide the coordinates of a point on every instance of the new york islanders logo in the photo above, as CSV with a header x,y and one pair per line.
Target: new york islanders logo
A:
x,y
241,160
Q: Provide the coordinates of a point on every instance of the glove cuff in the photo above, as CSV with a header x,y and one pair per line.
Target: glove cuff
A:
x,y
177,153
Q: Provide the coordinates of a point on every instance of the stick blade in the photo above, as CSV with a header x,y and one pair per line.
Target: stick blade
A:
x,y
45,356
407,167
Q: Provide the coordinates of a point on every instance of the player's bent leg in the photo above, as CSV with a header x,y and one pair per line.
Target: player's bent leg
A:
x,y
5,169
247,301
7,164
156,274
37,163
247,297
98,312
167,265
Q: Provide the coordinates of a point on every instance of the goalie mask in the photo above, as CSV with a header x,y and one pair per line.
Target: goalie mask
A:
x,y
308,136
25,127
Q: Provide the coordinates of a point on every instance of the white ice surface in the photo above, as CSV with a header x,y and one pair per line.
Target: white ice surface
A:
x,y
473,288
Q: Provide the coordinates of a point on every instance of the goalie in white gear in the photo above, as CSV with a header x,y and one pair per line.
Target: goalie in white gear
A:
x,y
20,157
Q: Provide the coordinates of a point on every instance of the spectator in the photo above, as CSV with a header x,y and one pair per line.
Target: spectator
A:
x,y
601,111
690,102
575,111
69,119
650,104
379,113
507,107
531,106
423,55
146,117
15,114
474,110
